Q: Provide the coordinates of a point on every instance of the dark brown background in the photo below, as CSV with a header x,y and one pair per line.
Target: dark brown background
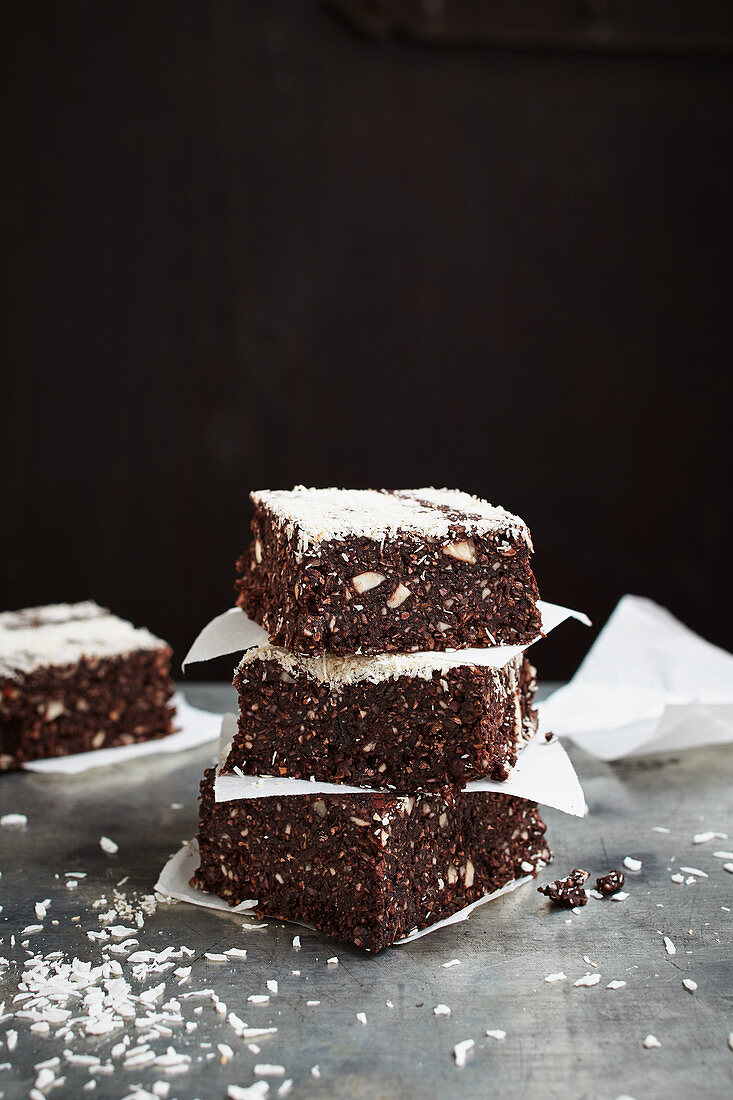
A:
x,y
245,246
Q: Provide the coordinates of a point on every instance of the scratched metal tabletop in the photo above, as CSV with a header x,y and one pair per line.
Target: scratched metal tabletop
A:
x,y
561,1039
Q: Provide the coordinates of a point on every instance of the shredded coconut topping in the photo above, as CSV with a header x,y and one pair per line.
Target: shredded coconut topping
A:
x,y
314,516
62,634
340,671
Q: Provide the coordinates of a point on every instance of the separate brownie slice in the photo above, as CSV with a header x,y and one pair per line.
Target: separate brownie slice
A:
x,y
375,571
398,720
73,677
365,868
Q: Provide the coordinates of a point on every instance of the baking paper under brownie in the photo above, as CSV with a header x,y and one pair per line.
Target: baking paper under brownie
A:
x,y
365,571
368,869
393,721
74,678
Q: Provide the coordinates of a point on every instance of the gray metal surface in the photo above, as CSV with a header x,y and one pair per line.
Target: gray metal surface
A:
x,y
561,1040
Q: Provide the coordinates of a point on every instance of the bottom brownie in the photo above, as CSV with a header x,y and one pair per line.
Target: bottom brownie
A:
x,y
368,869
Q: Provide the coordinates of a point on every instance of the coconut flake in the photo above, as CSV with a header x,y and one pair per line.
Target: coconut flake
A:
x,y
460,1050
588,979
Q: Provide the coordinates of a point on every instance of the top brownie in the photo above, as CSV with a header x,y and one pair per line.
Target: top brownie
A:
x,y
382,571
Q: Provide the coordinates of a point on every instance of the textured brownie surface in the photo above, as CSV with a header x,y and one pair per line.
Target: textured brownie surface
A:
x,y
367,869
75,678
392,721
364,571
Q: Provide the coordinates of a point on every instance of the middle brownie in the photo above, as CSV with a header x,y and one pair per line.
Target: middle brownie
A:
x,y
408,722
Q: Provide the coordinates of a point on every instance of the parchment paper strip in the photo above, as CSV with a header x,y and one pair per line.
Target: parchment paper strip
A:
x,y
543,773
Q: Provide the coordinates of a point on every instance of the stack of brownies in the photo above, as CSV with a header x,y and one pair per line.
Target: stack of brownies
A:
x,y
380,608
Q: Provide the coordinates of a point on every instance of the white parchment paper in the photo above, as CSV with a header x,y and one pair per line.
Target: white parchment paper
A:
x,y
543,773
174,882
233,631
196,727
648,684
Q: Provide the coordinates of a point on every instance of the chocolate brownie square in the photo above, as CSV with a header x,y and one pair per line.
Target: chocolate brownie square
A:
x,y
403,721
368,869
363,571
73,678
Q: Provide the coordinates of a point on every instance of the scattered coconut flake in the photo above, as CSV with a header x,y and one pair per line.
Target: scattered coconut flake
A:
x,y
460,1050
703,838
689,984
264,1069
559,977
285,1087
31,929
620,896
259,998
678,878
615,985
213,957
14,821
660,829
361,1017
234,1022
272,985
669,947
108,846
451,962
254,1092
588,979
236,953
651,1042
333,961
315,1071
441,1010
730,1040
312,1004
728,867
694,871
296,943
723,855
632,864
496,1033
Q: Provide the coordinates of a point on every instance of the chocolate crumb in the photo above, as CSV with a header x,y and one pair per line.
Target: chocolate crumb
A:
x,y
567,891
610,883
